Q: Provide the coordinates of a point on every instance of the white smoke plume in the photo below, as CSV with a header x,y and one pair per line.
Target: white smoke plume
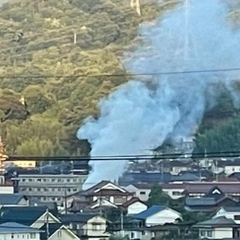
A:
x,y
195,36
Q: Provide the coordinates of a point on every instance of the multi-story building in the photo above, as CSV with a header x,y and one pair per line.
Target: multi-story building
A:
x,y
50,187
50,183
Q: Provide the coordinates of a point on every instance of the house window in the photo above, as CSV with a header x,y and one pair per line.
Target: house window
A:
x,y
175,193
236,217
32,235
206,233
59,234
96,227
142,193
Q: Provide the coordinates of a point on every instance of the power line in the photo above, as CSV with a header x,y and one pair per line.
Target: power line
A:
x,y
127,74
127,157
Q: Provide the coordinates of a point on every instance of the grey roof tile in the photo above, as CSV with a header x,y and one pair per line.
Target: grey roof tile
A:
x,y
13,227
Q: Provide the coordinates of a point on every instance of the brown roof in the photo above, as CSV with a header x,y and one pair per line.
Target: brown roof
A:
x,y
131,201
110,192
204,187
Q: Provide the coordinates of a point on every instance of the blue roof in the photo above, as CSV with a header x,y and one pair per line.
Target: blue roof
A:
x,y
149,212
10,198
13,227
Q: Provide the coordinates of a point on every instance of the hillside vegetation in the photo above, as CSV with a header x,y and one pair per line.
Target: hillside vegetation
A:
x,y
46,83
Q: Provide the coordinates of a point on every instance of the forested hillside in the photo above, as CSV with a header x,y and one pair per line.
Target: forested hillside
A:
x,y
49,51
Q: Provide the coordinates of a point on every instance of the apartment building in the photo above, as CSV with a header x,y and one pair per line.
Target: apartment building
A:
x,y
50,187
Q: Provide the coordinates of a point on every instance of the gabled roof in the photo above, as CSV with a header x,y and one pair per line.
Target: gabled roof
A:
x,y
149,212
232,208
52,228
131,201
11,198
24,215
13,227
216,222
98,189
185,177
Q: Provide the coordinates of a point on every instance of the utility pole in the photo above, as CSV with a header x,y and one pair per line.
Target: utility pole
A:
x,y
65,200
135,4
122,223
47,226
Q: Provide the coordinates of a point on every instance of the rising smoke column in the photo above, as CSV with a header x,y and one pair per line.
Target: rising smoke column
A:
x,y
195,36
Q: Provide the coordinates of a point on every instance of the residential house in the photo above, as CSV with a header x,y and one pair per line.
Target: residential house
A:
x,y
218,228
134,206
158,215
104,192
37,217
199,189
174,167
57,231
230,212
140,190
33,216
218,165
87,226
13,199
174,190
144,177
12,230
212,201
232,167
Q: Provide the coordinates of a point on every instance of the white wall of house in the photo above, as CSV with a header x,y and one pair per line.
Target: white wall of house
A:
x,y
174,193
216,233
20,236
136,208
230,215
96,226
175,170
228,170
167,215
63,234
143,235
6,189
142,194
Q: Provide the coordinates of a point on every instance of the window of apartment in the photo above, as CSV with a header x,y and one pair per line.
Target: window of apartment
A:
x,y
142,193
206,233
53,179
39,180
32,235
96,226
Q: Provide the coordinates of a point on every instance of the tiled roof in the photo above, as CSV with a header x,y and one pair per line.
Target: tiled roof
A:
x,y
219,221
232,208
149,212
204,187
204,201
24,215
79,218
10,199
143,185
13,227
185,177
131,201
110,192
